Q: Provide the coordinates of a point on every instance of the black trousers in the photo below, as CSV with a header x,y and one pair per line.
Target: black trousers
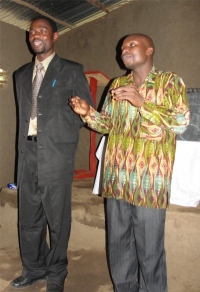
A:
x,y
136,251
39,207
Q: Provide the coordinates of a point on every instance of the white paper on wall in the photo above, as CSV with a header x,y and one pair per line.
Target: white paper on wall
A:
x,y
185,188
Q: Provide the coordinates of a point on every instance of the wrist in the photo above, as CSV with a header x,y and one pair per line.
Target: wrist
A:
x,y
86,114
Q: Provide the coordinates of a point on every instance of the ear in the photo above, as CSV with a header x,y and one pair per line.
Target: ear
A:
x,y
150,51
55,36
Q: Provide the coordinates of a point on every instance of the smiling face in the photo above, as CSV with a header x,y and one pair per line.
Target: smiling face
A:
x,y
137,50
42,38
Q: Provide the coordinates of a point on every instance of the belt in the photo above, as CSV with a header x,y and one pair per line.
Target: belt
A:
x,y
32,138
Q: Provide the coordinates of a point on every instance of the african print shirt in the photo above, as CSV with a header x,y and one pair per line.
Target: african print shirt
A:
x,y
141,144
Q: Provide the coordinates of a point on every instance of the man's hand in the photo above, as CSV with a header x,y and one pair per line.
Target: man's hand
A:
x,y
128,92
79,105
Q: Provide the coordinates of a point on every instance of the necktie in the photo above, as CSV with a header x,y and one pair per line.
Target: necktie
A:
x,y
35,89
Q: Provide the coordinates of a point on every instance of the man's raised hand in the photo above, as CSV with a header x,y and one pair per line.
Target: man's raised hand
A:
x,y
79,105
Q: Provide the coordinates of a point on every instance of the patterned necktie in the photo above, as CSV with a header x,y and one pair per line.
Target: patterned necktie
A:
x,y
35,89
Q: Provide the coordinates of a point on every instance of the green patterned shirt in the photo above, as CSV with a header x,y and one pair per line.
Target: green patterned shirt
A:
x,y
141,145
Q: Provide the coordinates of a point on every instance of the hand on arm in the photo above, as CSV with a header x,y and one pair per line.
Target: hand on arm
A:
x,y
79,106
128,92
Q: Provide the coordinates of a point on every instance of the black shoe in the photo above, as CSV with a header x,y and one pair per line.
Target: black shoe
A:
x,y
55,288
22,282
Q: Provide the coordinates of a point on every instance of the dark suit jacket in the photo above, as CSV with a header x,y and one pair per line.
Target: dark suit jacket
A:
x,y
57,125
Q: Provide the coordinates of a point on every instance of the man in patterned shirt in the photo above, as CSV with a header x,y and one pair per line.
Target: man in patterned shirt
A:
x,y
142,114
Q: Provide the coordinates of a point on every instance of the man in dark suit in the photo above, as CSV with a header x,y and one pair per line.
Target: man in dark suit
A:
x,y
48,140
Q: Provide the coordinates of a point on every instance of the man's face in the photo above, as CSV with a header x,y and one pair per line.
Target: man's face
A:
x,y
134,51
42,38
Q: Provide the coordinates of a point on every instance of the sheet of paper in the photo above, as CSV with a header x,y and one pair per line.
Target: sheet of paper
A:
x,y
99,175
185,188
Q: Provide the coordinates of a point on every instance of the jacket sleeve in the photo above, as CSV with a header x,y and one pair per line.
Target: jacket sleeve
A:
x,y
81,86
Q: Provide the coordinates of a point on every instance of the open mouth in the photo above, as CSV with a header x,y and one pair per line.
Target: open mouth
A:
x,y
37,43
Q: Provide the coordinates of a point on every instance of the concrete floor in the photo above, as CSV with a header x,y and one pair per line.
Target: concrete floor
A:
x,y
88,271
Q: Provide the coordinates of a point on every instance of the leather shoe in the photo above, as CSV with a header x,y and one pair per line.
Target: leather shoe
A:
x,y
55,288
22,282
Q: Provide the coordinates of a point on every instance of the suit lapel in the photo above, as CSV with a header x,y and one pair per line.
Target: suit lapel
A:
x,y
51,73
28,74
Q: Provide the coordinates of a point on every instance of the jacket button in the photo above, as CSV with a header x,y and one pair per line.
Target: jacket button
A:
x,y
22,151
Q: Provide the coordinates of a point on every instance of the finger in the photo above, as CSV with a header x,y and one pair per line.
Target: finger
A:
x,y
72,102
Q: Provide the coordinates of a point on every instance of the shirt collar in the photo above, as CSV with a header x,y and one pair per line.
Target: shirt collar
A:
x,y
45,62
149,78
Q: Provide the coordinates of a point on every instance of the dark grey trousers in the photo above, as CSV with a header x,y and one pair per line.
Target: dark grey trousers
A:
x,y
136,251
39,207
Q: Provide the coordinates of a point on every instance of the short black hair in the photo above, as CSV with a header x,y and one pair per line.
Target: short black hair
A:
x,y
50,21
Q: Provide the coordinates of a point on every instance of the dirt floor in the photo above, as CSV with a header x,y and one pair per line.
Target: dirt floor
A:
x,y
88,271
